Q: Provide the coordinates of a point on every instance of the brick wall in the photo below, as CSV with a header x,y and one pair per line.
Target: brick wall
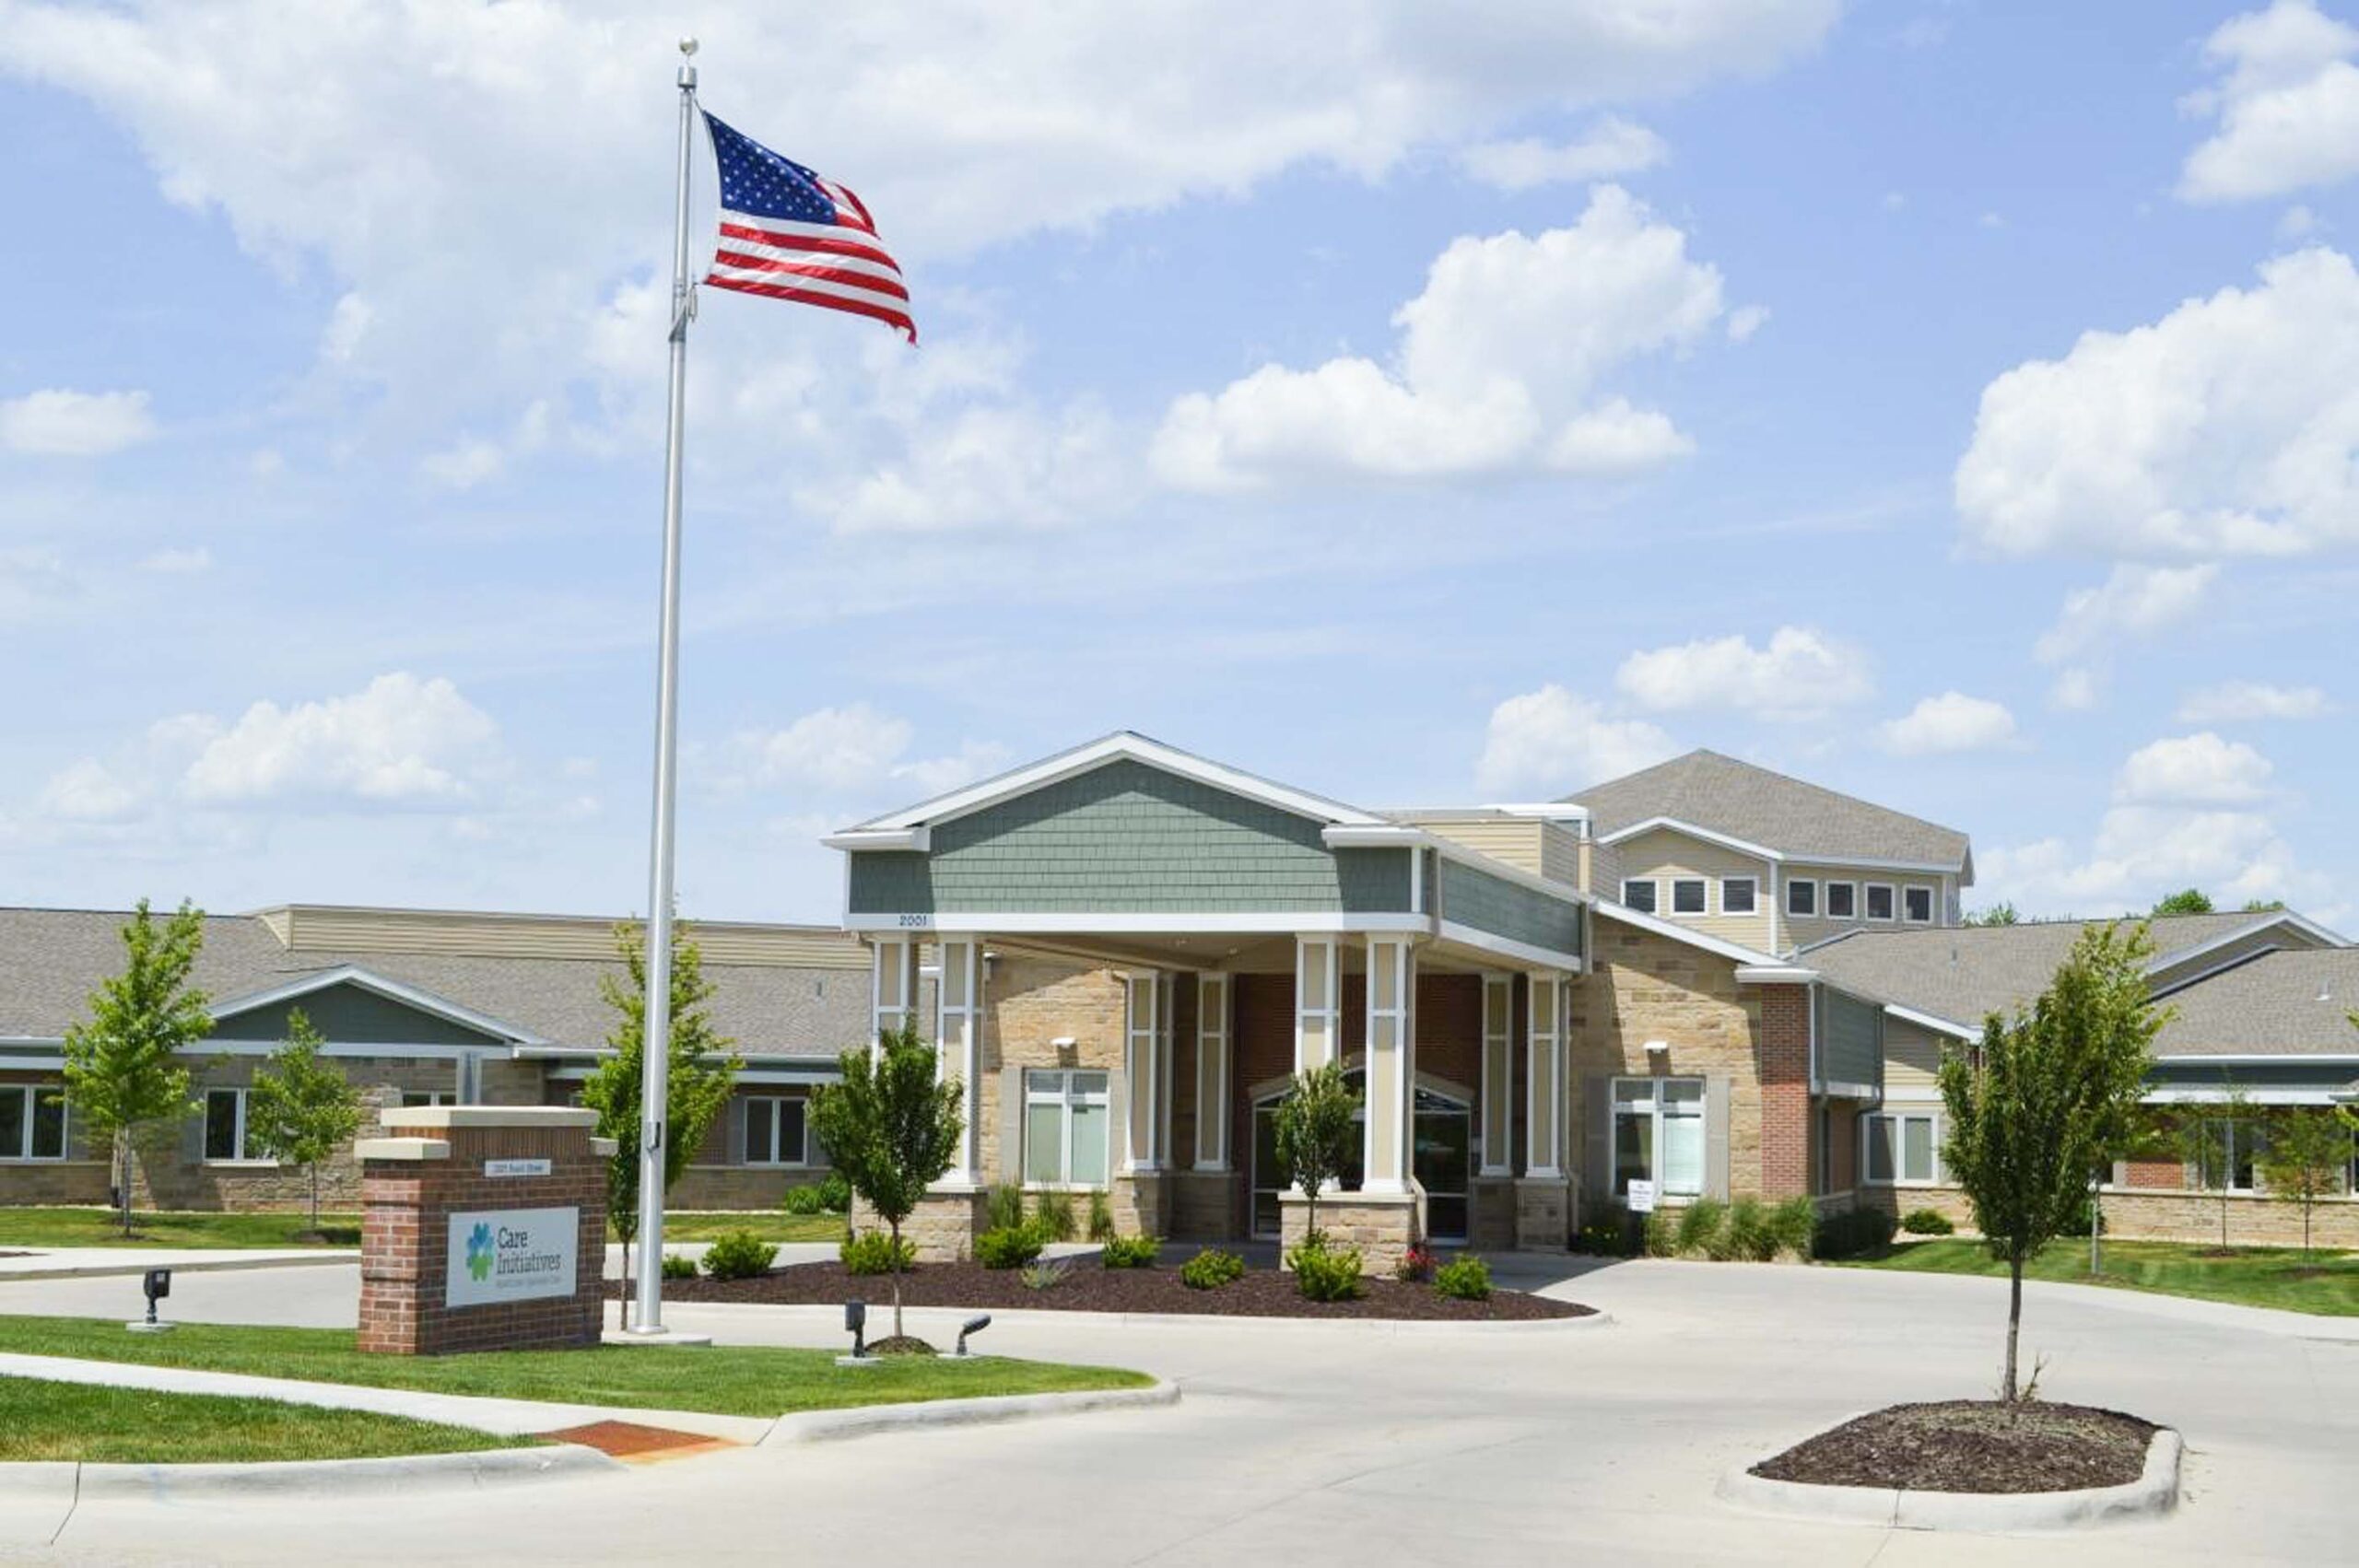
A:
x,y
1785,1092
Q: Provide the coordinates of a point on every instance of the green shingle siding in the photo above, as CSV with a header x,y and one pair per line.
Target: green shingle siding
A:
x,y
350,1015
1850,1039
1128,838
1473,898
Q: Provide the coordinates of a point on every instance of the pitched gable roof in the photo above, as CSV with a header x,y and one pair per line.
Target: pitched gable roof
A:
x,y
2288,1002
1798,820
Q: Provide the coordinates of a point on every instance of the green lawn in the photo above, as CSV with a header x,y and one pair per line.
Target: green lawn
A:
x,y
34,1228
42,1419
741,1381
2325,1283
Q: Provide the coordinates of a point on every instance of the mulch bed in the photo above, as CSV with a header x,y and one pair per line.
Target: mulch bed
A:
x,y
1972,1445
1088,1287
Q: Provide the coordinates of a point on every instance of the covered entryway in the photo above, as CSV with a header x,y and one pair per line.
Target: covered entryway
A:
x,y
1442,1157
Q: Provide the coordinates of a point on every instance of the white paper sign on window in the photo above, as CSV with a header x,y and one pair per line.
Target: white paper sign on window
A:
x,y
1642,1197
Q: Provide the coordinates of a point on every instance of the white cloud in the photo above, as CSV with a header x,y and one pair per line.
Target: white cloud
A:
x,y
1498,364
2287,105
1613,147
2143,852
178,563
399,741
2199,769
852,750
2132,602
89,791
991,465
2229,702
1799,673
1746,319
1949,724
464,464
2227,428
2076,690
1550,743
58,423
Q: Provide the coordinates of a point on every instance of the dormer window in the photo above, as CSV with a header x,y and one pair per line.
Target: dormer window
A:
x,y
1842,901
1879,901
1737,895
1638,893
1687,895
1802,897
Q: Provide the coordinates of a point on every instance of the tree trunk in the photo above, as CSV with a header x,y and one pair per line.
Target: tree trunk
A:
x,y
122,1177
2015,1322
315,1197
2096,1226
895,1226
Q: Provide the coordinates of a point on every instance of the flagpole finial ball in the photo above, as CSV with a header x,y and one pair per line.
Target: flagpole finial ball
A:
x,y
687,46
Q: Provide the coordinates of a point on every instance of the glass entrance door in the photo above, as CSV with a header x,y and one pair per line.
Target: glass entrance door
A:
x,y
1441,1158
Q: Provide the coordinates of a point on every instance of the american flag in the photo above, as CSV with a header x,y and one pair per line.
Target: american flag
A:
x,y
792,234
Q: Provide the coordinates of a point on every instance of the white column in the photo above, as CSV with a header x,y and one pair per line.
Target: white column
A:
x,y
1212,1073
1545,1105
1318,1001
1142,1072
1392,1062
1498,1075
893,986
958,1023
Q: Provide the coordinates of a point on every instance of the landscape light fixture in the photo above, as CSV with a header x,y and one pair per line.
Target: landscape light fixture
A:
x,y
157,1284
856,1325
974,1325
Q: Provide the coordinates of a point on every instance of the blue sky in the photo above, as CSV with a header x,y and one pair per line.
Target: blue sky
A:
x,y
1946,402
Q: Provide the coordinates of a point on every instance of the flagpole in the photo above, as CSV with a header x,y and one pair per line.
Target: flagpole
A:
x,y
657,1034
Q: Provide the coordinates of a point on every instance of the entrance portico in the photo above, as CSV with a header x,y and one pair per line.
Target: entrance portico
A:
x,y
1120,949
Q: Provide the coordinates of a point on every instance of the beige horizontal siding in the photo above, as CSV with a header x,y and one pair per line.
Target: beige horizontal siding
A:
x,y
1514,841
1912,1055
1665,854
546,936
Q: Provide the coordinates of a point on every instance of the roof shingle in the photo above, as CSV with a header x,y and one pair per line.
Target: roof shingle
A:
x,y
1797,819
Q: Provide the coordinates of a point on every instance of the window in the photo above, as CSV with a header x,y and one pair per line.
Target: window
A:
x,y
1901,1142
1737,893
1842,901
33,1121
774,1130
1638,893
414,1098
1802,897
1064,1128
1879,901
1687,895
2229,1153
1917,902
225,1124
1659,1134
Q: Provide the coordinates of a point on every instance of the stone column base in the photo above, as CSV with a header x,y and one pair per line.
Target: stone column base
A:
x,y
1491,1202
1143,1203
942,1228
1544,1213
1203,1205
1382,1225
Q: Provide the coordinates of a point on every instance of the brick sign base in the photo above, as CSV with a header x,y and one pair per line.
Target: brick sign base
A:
x,y
437,1161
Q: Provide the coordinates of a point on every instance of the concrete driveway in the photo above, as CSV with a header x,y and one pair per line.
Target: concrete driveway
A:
x,y
1339,1444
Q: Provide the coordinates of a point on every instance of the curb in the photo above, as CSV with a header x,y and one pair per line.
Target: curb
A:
x,y
826,1426
201,1266
1041,1317
168,1483
2152,1495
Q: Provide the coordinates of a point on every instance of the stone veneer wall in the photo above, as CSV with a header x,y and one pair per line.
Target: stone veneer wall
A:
x,y
1382,1228
2149,1214
172,1172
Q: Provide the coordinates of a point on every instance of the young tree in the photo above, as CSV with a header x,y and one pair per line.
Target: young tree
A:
x,y
124,1076
697,1081
2031,1109
891,1127
1315,1133
301,1109
2308,1152
2205,1134
2186,901
1999,914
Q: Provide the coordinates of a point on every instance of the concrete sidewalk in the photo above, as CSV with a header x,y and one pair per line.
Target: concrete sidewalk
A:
x,y
102,1262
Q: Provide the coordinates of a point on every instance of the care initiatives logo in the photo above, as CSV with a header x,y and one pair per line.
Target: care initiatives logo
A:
x,y
480,1253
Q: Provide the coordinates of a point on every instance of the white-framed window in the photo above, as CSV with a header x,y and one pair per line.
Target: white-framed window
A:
x,y
224,1125
777,1129
1917,906
1802,897
33,1121
2230,1155
1659,1134
1900,1147
1065,1128
1638,893
412,1098
1687,895
1842,900
1739,894
1879,901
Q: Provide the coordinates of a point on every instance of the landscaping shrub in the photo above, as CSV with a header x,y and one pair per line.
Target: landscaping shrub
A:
x,y
1003,1208
835,1193
1607,1234
1046,1276
676,1266
737,1255
1660,1234
1054,1216
1700,1227
1750,1239
1794,1222
1416,1265
1926,1223
1325,1273
1008,1246
1132,1252
809,1198
1463,1279
1851,1233
1211,1268
1101,1216
871,1252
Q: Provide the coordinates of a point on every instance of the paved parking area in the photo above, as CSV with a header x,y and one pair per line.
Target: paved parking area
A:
x,y
1336,1443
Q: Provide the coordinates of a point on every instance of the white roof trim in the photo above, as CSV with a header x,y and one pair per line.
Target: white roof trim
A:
x,y
409,996
1390,836
918,838
2253,1059
1727,841
1933,1021
1677,932
1959,867
2274,917
1123,744
1774,974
